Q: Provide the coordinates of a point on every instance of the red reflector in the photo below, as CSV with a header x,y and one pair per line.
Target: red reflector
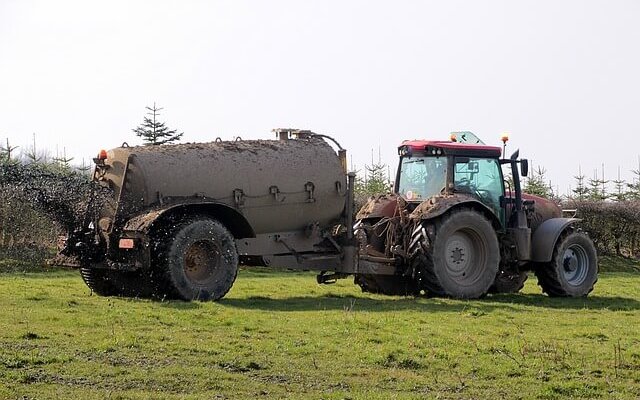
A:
x,y
126,244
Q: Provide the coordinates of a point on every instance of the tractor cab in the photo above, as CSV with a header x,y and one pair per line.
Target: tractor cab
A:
x,y
439,168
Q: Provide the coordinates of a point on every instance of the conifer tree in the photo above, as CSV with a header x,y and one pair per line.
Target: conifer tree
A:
x,y
537,185
581,191
634,186
154,132
620,194
5,152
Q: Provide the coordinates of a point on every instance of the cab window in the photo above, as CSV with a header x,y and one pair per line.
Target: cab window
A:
x,y
480,177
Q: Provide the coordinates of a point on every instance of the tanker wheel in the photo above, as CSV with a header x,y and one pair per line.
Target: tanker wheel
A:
x,y
133,283
106,282
461,261
201,260
509,282
387,284
573,269
99,281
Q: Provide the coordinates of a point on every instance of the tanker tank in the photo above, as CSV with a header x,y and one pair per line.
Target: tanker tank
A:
x,y
278,185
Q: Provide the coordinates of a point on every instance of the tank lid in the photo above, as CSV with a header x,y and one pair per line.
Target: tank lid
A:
x,y
289,133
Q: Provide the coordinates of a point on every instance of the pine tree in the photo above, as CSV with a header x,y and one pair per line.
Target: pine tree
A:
x,y
581,191
376,178
62,162
598,187
33,155
5,152
620,194
634,186
154,132
537,185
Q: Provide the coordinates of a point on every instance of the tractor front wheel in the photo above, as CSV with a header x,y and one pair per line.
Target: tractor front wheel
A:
x,y
573,269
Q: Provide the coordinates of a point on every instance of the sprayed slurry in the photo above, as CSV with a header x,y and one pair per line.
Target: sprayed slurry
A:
x,y
63,195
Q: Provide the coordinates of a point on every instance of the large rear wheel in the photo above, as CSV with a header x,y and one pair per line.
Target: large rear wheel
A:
x,y
201,260
573,269
461,259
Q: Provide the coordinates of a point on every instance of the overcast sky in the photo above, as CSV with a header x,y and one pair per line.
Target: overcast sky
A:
x,y
561,77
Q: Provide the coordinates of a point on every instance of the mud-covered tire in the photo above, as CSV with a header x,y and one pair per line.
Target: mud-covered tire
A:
x,y
461,259
201,260
99,281
573,269
389,285
134,283
107,282
509,282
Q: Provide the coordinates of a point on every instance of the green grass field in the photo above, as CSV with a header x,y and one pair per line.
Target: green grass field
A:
x,y
280,335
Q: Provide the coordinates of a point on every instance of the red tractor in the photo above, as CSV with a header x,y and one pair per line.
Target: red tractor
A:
x,y
454,227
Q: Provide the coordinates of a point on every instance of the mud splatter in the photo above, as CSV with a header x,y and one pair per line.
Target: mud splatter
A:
x,y
62,194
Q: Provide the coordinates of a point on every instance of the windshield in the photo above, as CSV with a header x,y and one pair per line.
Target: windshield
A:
x,y
421,177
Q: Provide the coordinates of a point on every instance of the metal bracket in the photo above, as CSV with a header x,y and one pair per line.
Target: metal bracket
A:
x,y
238,197
291,249
309,187
273,190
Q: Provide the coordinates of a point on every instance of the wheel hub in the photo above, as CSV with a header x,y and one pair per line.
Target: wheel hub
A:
x,y
570,263
457,255
575,264
201,261
459,251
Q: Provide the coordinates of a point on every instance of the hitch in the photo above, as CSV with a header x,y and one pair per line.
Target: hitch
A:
x,y
327,279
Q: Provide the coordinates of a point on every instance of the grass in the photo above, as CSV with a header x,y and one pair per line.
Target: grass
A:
x,y
280,335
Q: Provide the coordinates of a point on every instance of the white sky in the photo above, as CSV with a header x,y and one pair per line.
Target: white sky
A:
x,y
562,77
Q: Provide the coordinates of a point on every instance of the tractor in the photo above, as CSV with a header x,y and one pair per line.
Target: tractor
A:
x,y
455,227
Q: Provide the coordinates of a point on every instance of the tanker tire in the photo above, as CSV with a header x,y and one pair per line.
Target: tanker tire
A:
x,y
461,260
573,269
509,282
132,284
387,284
99,281
106,282
201,260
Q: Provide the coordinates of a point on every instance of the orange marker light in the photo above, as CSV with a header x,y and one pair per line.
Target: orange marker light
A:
x,y
126,244
102,155
504,138
453,137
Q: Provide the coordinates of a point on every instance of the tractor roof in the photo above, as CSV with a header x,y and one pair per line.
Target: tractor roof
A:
x,y
426,147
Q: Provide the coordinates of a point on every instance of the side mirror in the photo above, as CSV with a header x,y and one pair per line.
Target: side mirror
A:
x,y
524,167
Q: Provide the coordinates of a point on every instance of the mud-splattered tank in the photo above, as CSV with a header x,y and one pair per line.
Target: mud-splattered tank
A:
x,y
277,185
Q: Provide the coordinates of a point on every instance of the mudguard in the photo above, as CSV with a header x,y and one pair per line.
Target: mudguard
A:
x,y
545,237
230,217
438,205
379,207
